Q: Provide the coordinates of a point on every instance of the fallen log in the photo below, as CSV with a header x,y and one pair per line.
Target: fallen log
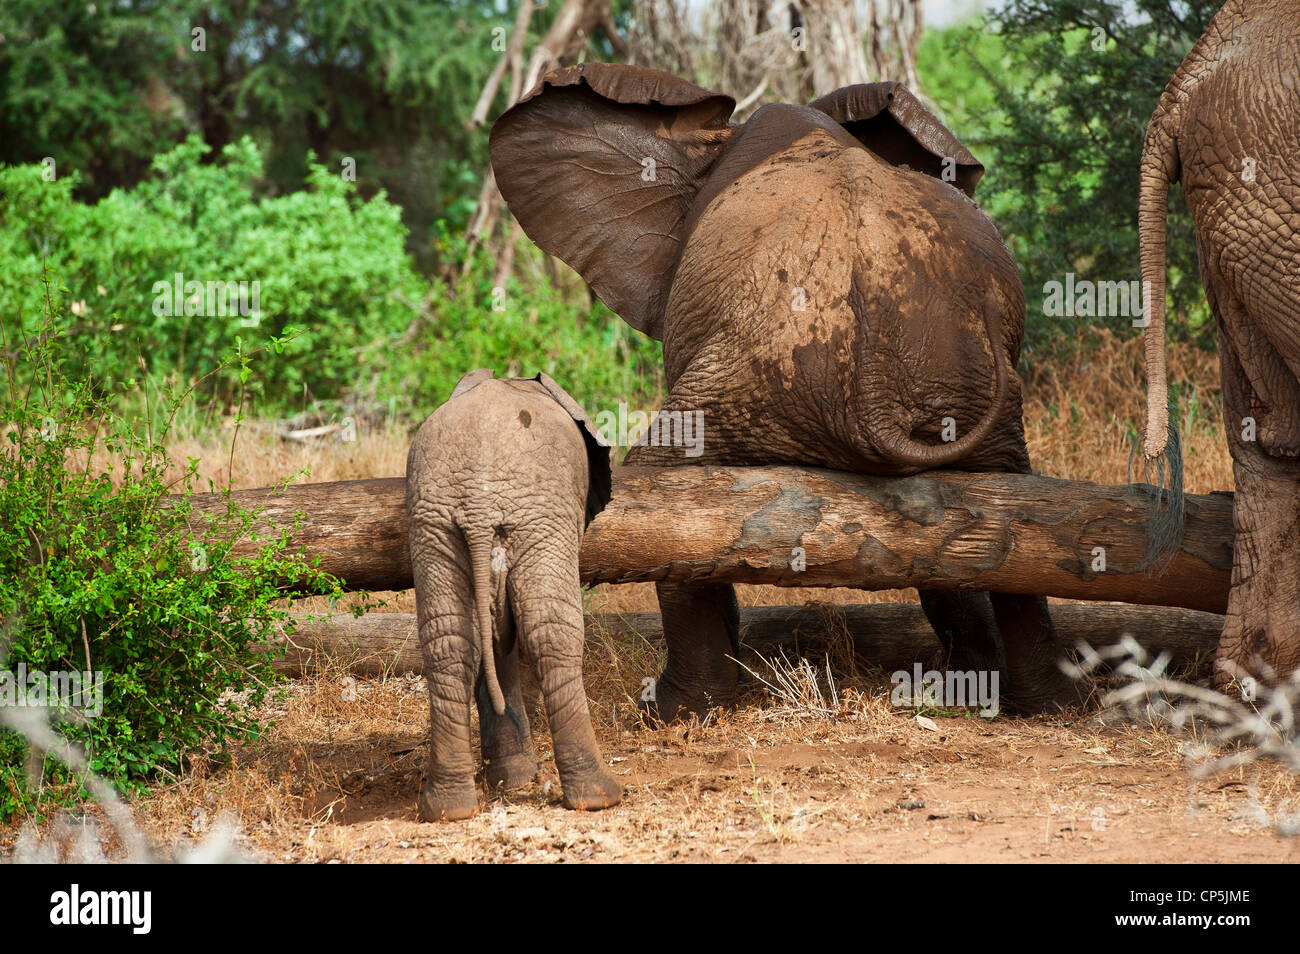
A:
x,y
791,526
889,635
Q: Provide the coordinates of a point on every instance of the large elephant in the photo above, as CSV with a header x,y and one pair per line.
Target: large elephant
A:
x,y
1228,128
500,484
827,293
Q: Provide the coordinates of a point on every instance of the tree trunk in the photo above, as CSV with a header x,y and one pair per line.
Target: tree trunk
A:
x,y
1008,533
889,635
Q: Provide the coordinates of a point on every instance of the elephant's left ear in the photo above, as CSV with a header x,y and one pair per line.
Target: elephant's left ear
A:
x,y
892,123
601,164
599,477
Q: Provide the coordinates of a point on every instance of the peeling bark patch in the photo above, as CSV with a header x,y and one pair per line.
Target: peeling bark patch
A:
x,y
974,549
874,558
750,480
917,499
781,522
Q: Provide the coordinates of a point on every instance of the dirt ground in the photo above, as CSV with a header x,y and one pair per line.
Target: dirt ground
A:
x,y
336,780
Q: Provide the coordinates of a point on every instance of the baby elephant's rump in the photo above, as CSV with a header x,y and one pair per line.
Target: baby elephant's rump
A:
x,y
501,482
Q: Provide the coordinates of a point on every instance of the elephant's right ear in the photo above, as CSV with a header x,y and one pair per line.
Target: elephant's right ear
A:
x,y
892,123
600,165
599,474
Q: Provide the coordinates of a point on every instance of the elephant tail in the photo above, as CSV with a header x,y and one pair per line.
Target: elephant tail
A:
x,y
1153,210
480,559
1161,452
901,448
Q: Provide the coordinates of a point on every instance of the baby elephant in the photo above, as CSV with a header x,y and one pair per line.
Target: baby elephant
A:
x,y
501,482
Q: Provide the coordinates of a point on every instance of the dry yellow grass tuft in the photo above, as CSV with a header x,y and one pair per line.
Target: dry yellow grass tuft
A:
x,y
1080,414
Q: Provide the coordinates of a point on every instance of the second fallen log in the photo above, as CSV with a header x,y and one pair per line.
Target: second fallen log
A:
x,y
889,635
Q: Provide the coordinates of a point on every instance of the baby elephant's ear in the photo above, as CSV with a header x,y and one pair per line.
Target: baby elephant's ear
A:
x,y
600,165
470,380
599,481
892,123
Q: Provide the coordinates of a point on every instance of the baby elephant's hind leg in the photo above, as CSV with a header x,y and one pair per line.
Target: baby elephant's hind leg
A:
x,y
551,630
508,758
451,660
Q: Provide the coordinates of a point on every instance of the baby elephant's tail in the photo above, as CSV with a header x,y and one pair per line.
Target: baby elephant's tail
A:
x,y
480,560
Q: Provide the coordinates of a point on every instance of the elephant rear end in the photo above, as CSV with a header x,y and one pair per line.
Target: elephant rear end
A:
x,y
498,490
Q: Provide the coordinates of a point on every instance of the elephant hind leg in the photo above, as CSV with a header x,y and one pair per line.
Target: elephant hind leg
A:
x,y
1003,633
508,758
451,662
1261,632
701,624
551,632
1035,681
964,622
1006,633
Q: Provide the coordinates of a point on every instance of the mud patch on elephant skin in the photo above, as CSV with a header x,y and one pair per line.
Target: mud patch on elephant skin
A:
x,y
525,419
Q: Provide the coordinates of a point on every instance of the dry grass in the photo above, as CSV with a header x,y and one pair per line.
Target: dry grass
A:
x,y
1079,414
337,776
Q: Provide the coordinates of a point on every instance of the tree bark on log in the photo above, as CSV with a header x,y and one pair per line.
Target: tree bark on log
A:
x,y
889,635
1009,533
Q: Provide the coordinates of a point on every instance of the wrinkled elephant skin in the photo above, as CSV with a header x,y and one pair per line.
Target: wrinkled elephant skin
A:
x,y
501,482
1227,129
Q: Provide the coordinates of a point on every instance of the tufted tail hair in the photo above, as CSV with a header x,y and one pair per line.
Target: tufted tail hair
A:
x,y
1164,472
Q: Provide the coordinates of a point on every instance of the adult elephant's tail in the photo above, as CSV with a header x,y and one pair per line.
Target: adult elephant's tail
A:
x,y
1160,446
895,443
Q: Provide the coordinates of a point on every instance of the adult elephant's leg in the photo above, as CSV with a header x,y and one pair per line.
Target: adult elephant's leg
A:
x,y
1261,632
701,624
1035,680
964,622
702,631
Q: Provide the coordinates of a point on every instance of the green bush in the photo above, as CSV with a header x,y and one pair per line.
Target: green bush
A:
x,y
356,322
331,269
99,571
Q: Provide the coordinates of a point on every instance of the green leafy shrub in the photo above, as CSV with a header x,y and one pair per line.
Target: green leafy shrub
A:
x,y
330,268
336,287
100,572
